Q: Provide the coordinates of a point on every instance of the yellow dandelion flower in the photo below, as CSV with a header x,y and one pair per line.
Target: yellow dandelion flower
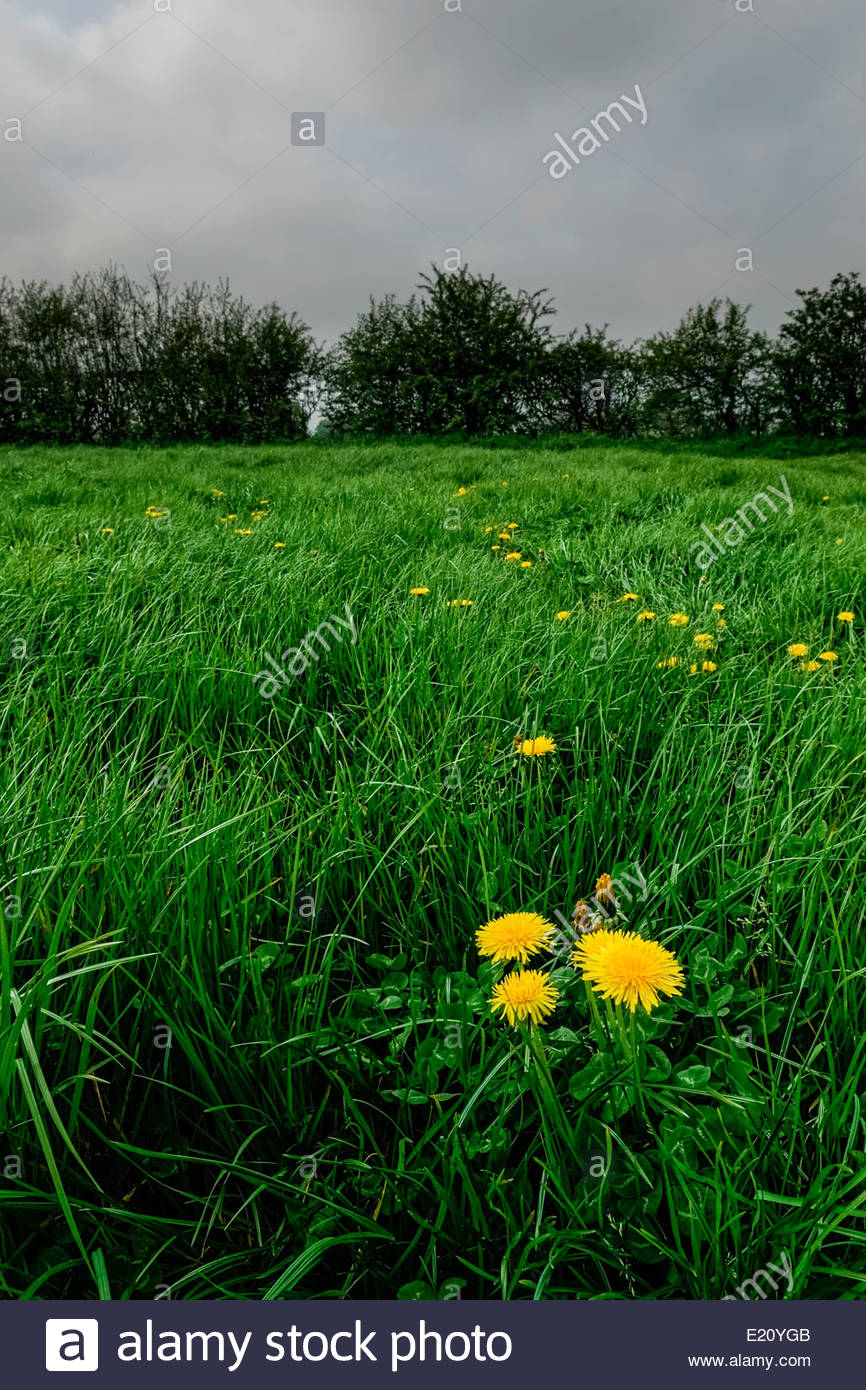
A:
x,y
496,547
108,530
810,665
826,497
258,516
563,614
646,616
828,656
487,530
526,564
460,603
798,649
629,970
233,516
516,936
512,526
419,591
461,492
721,622
505,535
242,533
279,545
513,554
537,747
846,616
678,619
591,947
718,608
627,598
263,502
703,639
667,662
708,666
525,995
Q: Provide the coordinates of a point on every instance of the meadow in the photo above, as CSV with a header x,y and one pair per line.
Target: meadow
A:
x,y
246,1044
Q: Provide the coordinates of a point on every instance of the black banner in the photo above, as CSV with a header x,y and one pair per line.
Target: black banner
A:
x,y
429,1344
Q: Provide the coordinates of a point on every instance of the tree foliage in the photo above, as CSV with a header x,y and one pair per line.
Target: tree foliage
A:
x,y
820,362
465,358
591,382
107,360
708,375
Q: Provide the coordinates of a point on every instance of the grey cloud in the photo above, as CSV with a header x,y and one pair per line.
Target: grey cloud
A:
x,y
176,132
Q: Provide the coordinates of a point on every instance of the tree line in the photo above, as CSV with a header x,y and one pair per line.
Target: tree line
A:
x,y
107,360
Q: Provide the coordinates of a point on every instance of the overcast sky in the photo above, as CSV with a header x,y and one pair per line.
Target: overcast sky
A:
x,y
144,130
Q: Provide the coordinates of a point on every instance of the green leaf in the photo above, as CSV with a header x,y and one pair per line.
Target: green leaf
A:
x,y
409,1096
659,1063
588,1078
303,980
266,954
703,967
391,1001
380,962
565,1035
415,1290
694,1077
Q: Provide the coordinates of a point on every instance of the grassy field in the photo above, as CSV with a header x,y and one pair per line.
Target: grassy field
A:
x,y
246,1049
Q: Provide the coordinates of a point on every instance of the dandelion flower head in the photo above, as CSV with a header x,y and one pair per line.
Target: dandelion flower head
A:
x,y
516,936
537,747
624,967
525,995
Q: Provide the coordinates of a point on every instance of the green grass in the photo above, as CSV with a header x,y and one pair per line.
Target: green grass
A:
x,y
337,1114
